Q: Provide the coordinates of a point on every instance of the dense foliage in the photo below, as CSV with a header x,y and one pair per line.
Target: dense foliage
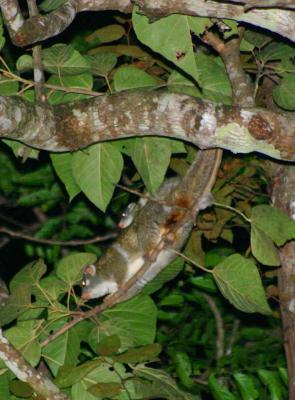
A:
x,y
180,338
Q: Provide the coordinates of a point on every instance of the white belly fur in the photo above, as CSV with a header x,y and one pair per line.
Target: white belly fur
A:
x,y
102,289
134,266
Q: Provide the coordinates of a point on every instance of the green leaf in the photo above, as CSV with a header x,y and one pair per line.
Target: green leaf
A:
x,y
204,282
102,63
162,383
218,391
283,372
49,228
231,28
18,302
64,350
106,34
141,354
2,37
20,389
82,81
105,373
130,77
258,39
213,79
173,299
4,385
50,288
239,281
40,197
62,59
272,381
168,273
8,87
170,36
263,248
246,386
68,375
24,63
129,319
21,150
177,146
35,178
62,164
179,83
216,255
284,93
198,25
106,389
151,157
29,275
183,367
108,345
79,392
274,223
97,170
276,51
22,338
70,268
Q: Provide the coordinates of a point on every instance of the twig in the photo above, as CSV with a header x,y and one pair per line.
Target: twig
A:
x,y
219,327
232,209
148,197
21,235
192,261
15,77
62,330
39,77
232,337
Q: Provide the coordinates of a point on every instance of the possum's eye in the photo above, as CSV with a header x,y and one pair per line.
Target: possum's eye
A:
x,y
83,282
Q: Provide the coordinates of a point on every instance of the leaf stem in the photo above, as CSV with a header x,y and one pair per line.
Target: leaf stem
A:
x,y
192,262
234,210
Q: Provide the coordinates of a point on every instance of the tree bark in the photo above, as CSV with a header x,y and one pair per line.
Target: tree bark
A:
x,y
283,196
72,126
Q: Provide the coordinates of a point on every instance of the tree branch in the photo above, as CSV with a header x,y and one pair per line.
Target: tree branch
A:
x,y
26,373
75,125
20,235
249,4
38,28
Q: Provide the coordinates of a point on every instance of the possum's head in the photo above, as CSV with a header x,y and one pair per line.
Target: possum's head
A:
x,y
93,286
127,216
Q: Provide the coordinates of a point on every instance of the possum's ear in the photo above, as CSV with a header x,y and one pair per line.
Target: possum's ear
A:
x,y
90,270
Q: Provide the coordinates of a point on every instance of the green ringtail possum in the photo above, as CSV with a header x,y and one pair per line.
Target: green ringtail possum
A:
x,y
142,231
145,225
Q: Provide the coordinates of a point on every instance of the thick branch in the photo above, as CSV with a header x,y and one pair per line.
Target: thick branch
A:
x,y
287,4
26,373
283,184
43,27
25,32
139,113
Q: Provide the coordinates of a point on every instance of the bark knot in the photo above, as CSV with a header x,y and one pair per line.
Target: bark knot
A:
x,y
260,128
